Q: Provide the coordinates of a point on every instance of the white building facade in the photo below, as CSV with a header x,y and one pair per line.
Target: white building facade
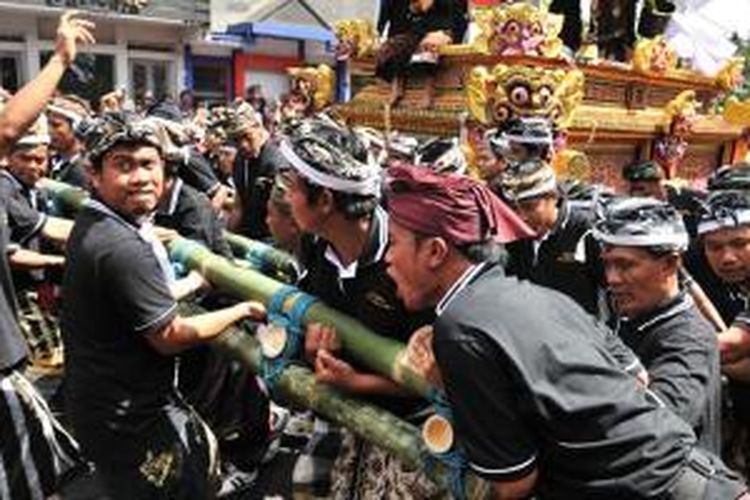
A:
x,y
144,52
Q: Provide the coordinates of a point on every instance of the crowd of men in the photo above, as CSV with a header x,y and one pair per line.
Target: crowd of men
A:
x,y
590,345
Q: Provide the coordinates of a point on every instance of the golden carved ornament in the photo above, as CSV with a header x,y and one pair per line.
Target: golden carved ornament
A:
x,y
730,76
354,38
654,56
518,29
315,85
505,92
737,112
685,106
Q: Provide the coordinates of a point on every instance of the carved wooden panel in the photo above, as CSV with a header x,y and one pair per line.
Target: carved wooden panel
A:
x,y
700,160
602,91
607,161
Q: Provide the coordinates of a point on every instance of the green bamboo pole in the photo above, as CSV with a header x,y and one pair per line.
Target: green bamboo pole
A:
x,y
381,354
297,384
264,257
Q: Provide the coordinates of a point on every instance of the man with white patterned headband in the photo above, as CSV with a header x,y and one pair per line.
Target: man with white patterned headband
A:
x,y
65,113
643,241
334,195
562,255
725,234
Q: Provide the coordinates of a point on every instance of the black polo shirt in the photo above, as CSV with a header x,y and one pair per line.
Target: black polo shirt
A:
x,y
532,386
27,209
253,180
12,346
679,349
364,291
70,170
115,293
566,260
189,212
196,171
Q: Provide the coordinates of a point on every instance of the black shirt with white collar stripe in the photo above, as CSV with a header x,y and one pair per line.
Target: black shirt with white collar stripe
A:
x,y
115,293
532,385
364,291
679,349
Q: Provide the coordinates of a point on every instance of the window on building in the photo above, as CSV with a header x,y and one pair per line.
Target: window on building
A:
x,y
91,75
150,80
211,80
10,70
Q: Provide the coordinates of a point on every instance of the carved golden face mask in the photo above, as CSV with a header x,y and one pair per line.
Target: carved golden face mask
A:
x,y
315,86
523,91
355,38
519,29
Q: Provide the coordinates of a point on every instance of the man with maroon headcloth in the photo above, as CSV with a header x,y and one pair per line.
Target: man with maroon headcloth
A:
x,y
540,406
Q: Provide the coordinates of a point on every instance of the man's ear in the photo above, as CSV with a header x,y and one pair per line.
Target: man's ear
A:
x,y
436,252
671,263
325,202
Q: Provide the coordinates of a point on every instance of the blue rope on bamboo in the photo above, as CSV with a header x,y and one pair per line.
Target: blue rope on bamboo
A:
x,y
454,458
292,322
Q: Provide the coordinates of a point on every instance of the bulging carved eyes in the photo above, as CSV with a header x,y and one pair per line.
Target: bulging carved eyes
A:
x,y
502,113
519,95
545,94
537,29
511,28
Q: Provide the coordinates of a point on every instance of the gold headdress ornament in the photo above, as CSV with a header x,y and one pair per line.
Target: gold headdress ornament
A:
x,y
354,38
685,105
654,56
505,92
316,85
518,29
730,76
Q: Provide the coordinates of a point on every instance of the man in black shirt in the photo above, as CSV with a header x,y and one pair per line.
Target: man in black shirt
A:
x,y
647,179
188,211
539,406
255,166
35,451
121,328
65,113
643,240
721,262
334,194
563,255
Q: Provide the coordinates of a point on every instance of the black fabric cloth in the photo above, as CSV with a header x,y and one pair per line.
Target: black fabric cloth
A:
x,y
572,24
615,28
567,260
69,170
35,451
731,303
679,349
115,293
12,346
407,29
178,460
531,386
27,215
253,179
25,220
689,202
401,19
197,172
189,212
368,296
